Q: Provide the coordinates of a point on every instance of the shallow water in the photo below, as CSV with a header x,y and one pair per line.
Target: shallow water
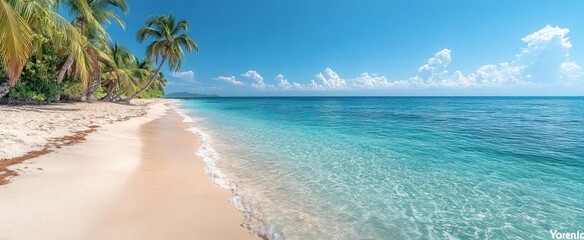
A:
x,y
399,168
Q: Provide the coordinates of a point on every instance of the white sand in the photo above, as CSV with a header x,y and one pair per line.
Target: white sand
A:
x,y
30,128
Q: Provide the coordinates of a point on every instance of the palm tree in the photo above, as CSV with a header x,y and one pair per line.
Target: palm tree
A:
x,y
91,16
168,44
23,22
42,16
123,74
160,81
15,44
97,48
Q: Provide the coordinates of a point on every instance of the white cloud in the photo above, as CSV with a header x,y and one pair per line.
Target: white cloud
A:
x,y
188,76
434,74
258,79
284,84
547,49
372,81
503,73
571,71
548,35
230,79
253,75
436,66
330,81
489,75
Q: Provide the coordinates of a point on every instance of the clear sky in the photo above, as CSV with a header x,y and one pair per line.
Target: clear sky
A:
x,y
374,47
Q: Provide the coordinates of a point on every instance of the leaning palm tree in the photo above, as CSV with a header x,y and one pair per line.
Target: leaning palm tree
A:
x,y
15,44
97,49
168,44
122,75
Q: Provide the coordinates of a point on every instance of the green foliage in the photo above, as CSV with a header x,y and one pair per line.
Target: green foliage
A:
x,y
71,90
153,92
43,64
170,39
156,90
101,92
2,73
37,81
34,89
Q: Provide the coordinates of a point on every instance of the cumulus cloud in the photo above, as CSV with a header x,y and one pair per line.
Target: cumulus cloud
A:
x,y
546,36
188,76
546,51
230,79
372,81
436,66
284,84
329,81
503,73
434,74
258,79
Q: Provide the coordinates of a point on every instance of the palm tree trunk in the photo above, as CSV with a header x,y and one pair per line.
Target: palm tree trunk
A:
x,y
154,76
91,91
4,88
110,93
91,98
66,66
95,80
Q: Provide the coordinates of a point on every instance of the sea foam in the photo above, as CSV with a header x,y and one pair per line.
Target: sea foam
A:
x,y
252,219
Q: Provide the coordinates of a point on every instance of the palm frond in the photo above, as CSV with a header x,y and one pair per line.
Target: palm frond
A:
x,y
15,41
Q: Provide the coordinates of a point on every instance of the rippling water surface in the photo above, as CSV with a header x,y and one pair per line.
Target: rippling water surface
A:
x,y
401,168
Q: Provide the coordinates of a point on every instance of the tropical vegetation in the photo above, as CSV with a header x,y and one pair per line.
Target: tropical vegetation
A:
x,y
47,57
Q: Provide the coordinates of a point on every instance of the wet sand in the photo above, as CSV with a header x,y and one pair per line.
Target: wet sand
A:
x,y
170,196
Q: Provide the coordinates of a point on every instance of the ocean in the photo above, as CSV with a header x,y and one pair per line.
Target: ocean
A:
x,y
397,167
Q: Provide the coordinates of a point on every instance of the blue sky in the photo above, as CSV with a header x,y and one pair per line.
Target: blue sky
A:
x,y
374,47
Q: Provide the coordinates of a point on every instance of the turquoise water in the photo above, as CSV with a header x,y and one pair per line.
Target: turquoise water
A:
x,y
398,168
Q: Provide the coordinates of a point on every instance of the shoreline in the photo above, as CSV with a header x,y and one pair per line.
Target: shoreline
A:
x,y
211,158
120,183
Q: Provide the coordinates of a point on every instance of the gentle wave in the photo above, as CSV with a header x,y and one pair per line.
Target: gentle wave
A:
x,y
251,217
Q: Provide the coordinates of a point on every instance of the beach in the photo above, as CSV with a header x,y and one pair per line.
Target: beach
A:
x,y
128,172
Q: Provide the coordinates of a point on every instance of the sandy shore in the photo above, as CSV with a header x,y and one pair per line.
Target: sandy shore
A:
x,y
30,128
136,179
